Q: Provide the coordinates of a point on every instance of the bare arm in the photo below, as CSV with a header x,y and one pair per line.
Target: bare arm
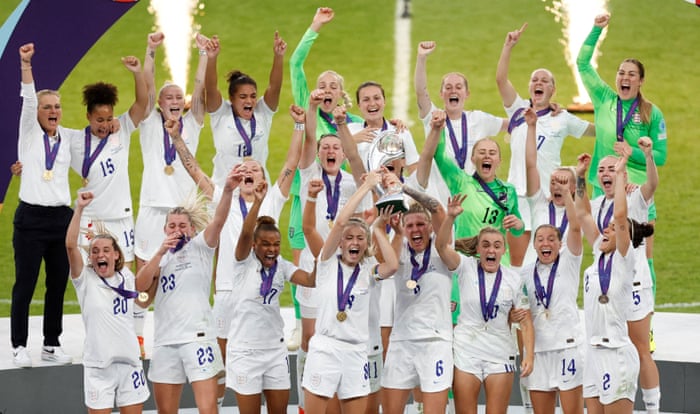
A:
x,y
573,237
272,93
137,111
390,262
583,205
421,77
531,172
442,241
211,77
206,186
425,161
286,176
213,229
622,234
245,238
341,219
649,187
349,145
437,211
308,150
505,87
149,69
75,259
313,239
198,101
528,334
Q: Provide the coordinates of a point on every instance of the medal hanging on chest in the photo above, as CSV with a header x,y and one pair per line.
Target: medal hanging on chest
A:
x,y
343,294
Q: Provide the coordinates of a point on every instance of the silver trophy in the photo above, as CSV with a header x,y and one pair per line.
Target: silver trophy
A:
x,y
387,147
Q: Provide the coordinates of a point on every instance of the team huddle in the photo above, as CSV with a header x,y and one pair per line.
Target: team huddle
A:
x,y
412,271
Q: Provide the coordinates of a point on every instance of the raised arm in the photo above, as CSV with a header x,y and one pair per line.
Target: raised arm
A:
x,y
26,52
341,219
389,260
622,235
421,77
245,238
211,78
149,69
349,145
425,161
442,241
272,93
649,187
213,229
198,101
300,88
437,211
505,87
313,238
531,172
206,186
75,258
137,111
582,203
284,180
573,236
308,151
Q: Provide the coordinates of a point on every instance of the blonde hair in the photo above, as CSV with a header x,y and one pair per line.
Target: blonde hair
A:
x,y
196,209
461,75
358,222
415,208
45,92
347,100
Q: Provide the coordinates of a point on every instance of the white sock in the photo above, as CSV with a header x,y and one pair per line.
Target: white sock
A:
x,y
301,361
652,399
139,319
451,406
525,395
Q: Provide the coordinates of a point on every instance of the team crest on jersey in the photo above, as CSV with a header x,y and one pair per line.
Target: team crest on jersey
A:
x,y
503,197
637,118
316,380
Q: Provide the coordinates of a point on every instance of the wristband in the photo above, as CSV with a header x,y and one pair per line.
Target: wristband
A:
x,y
299,126
312,199
202,52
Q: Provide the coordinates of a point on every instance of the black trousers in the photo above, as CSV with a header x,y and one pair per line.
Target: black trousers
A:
x,y
39,233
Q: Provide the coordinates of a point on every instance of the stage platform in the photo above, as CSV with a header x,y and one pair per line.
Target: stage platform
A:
x,y
48,388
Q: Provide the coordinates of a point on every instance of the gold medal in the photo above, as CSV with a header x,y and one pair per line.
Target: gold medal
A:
x,y
330,224
85,181
546,313
341,316
48,175
603,299
169,170
143,296
411,284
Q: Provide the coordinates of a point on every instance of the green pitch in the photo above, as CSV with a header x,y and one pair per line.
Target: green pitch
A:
x,y
359,44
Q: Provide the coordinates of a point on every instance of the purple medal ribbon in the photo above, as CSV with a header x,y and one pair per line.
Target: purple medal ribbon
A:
x,y
332,195
553,219
487,308
544,297
129,294
460,153
267,278
88,159
608,215
244,207
417,272
496,199
180,244
169,148
518,118
344,294
329,120
50,153
622,124
604,272
246,139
